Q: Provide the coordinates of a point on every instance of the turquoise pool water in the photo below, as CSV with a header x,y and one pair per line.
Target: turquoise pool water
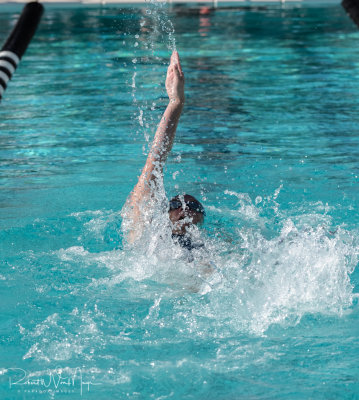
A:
x,y
268,141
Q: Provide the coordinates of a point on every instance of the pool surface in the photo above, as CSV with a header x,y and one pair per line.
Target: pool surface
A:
x,y
268,141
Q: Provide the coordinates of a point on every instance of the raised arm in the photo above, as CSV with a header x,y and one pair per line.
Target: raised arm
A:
x,y
161,146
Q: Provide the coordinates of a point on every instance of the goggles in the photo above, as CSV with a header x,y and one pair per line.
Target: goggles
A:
x,y
192,205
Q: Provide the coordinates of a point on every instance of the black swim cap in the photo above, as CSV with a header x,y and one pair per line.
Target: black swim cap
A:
x,y
191,202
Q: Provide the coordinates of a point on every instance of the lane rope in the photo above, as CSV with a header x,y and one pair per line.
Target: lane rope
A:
x,y
18,41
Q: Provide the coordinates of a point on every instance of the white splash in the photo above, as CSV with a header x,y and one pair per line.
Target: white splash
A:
x,y
253,277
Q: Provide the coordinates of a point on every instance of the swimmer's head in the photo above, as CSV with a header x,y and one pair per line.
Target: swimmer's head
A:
x,y
184,211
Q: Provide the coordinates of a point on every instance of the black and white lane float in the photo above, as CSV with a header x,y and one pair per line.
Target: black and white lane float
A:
x,y
16,44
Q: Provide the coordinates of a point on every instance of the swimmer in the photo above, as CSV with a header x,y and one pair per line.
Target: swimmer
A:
x,y
185,210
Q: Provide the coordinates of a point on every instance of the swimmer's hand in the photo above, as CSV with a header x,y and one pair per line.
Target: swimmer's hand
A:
x,y
175,80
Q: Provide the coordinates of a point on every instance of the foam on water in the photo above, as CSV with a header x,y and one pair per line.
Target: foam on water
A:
x,y
271,268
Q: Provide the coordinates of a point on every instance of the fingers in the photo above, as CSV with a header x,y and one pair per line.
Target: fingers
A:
x,y
170,70
176,62
174,57
178,71
179,65
174,71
